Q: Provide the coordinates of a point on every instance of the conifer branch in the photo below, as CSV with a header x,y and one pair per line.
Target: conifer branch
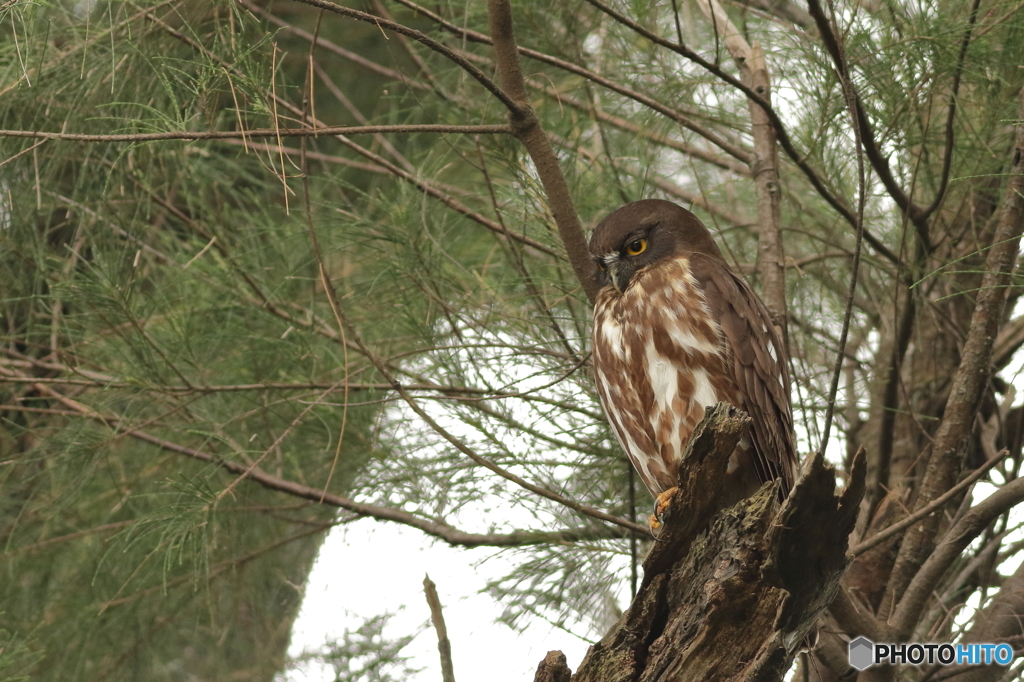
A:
x,y
258,133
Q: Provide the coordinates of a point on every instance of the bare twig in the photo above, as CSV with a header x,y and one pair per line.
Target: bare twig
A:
x,y
947,154
932,507
855,121
444,646
23,151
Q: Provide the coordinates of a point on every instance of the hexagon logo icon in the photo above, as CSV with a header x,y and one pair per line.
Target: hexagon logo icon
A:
x,y
862,653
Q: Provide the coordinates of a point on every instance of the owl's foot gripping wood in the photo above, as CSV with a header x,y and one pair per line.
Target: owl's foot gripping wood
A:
x,y
661,503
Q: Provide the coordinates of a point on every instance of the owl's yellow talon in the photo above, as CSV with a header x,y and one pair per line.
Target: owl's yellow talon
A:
x,y
653,523
661,503
664,499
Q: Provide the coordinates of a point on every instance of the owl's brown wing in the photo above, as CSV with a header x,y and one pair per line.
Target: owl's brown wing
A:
x,y
760,366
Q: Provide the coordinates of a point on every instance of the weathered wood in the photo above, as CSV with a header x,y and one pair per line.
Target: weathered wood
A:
x,y
731,595
553,668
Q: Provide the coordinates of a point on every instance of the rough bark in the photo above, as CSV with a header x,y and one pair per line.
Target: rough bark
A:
x,y
736,598
553,668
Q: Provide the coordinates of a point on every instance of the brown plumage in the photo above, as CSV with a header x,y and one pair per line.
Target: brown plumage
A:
x,y
676,331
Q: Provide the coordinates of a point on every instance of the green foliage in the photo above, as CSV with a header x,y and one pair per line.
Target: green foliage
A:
x,y
163,314
16,657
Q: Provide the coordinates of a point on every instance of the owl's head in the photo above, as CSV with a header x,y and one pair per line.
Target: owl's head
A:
x,y
643,233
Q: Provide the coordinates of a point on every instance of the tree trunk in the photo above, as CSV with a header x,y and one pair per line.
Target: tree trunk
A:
x,y
734,599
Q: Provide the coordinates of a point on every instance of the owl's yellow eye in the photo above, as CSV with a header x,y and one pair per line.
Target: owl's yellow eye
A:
x,y
636,247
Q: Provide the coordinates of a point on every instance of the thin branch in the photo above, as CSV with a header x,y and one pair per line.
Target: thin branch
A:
x,y
932,507
444,646
878,162
947,155
855,113
438,529
670,113
23,151
261,133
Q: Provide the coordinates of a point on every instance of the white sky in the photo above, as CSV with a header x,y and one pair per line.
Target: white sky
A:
x,y
369,568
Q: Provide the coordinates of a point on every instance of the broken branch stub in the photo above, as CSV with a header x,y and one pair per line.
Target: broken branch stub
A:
x,y
731,595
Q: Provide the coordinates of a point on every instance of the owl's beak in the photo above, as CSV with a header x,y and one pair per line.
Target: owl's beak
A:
x,y
617,281
611,263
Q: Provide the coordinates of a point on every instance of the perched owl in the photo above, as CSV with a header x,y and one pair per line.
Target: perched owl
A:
x,y
676,331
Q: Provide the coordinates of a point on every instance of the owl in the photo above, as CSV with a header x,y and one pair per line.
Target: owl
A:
x,y
676,331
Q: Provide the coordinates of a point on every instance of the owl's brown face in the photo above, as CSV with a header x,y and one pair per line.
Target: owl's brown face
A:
x,y
640,234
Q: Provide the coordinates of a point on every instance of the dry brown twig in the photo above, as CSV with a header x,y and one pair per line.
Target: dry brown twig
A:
x,y
444,646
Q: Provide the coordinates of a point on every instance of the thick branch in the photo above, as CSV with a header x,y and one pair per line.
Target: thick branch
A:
x,y
764,167
971,379
527,128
